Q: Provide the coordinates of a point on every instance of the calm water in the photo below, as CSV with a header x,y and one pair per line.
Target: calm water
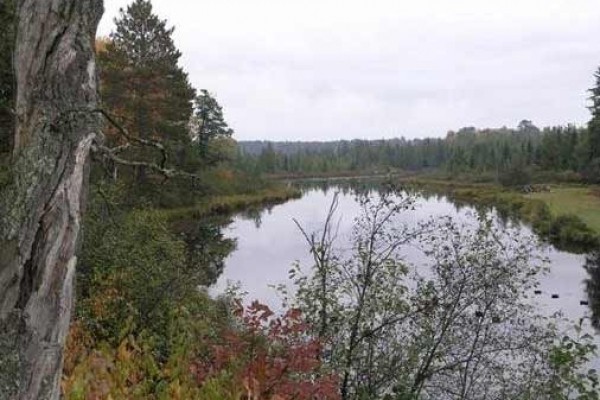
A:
x,y
269,243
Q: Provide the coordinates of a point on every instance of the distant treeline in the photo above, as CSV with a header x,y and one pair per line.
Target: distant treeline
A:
x,y
507,154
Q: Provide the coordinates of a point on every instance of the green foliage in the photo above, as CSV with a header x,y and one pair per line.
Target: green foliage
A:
x,y
143,86
132,270
594,124
209,130
142,325
515,175
566,232
135,265
216,354
571,376
354,303
495,153
591,171
465,329
148,93
233,203
567,228
131,368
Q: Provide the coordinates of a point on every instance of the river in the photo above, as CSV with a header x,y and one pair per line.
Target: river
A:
x,y
269,242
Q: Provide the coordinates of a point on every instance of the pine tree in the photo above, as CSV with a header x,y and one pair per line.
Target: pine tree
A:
x,y
594,124
142,82
209,126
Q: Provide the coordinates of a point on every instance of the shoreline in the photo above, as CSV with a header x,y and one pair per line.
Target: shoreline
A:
x,y
565,230
222,205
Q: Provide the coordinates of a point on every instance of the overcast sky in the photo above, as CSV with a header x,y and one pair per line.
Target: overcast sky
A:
x,y
324,69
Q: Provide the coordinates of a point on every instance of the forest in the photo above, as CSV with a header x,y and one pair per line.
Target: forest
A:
x,y
504,155
117,177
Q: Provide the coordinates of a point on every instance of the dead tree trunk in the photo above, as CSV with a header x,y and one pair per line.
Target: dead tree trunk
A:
x,y
40,210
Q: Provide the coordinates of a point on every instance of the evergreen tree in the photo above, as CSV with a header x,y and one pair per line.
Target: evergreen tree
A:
x,y
591,171
494,153
594,124
142,82
526,126
208,126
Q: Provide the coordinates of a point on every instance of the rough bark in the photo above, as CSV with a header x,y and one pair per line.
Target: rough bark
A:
x,y
40,210
7,33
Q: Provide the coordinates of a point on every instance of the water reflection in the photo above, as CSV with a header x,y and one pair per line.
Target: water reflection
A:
x,y
269,243
206,246
346,186
358,186
253,214
504,216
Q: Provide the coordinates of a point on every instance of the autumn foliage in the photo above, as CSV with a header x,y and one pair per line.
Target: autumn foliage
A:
x,y
257,355
273,357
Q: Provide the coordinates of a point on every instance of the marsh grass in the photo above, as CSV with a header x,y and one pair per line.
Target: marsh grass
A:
x,y
568,217
581,201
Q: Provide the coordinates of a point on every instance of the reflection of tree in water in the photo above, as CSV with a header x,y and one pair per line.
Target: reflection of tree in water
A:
x,y
346,186
206,246
592,285
253,214
504,216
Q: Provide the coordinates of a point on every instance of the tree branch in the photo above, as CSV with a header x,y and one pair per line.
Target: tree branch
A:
x,y
134,139
110,153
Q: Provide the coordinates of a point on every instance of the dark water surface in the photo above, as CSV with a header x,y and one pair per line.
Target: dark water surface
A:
x,y
269,242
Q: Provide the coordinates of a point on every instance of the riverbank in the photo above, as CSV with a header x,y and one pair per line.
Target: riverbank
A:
x,y
582,201
232,203
566,216
376,173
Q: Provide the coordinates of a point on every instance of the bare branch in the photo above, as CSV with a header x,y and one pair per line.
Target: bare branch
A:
x,y
110,153
134,139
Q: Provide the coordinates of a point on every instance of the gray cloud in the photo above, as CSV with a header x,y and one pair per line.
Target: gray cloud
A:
x,y
325,69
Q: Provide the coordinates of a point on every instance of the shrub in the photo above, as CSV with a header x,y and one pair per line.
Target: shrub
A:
x,y
570,231
516,175
271,357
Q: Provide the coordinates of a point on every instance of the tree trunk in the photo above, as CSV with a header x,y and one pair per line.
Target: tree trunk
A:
x,y
40,210
7,35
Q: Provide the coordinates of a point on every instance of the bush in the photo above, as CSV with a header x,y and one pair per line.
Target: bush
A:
x,y
270,357
516,175
571,232
134,269
131,369
217,354
464,326
591,172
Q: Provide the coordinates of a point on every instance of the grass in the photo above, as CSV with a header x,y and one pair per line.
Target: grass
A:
x,y
566,216
581,201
